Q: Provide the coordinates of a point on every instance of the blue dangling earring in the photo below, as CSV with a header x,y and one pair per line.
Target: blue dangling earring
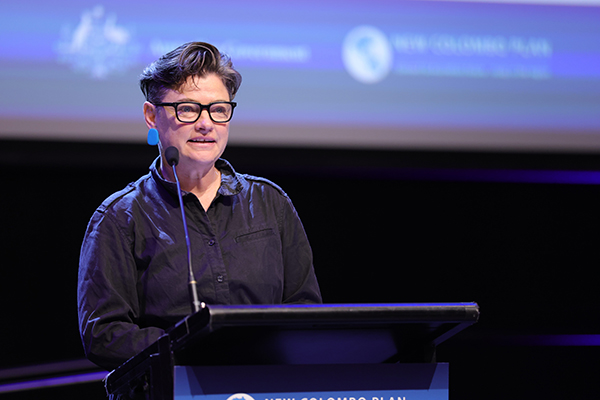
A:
x,y
152,137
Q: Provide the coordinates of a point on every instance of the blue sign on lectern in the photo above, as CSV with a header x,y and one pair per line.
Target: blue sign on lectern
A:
x,y
313,382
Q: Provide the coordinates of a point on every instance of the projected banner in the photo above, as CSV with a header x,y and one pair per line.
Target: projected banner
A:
x,y
401,74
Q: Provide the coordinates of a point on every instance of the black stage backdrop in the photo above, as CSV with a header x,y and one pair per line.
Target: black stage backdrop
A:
x,y
385,226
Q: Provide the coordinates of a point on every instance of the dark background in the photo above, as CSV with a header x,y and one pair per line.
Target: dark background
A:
x,y
385,226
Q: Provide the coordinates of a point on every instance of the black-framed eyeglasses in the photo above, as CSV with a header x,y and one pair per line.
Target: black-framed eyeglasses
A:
x,y
189,112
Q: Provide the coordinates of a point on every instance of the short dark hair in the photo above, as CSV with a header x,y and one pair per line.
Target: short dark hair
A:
x,y
172,70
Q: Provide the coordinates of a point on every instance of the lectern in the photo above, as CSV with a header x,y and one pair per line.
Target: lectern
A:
x,y
298,352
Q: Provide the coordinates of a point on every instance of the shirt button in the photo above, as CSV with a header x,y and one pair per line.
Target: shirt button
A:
x,y
211,242
220,279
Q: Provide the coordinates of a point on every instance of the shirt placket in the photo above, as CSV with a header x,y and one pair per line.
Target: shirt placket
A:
x,y
211,254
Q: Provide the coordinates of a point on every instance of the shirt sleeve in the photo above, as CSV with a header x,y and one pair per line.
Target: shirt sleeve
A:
x,y
300,281
108,304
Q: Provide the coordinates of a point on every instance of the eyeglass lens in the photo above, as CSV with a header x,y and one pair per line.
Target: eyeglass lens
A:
x,y
189,112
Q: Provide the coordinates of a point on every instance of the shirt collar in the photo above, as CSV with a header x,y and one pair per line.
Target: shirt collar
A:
x,y
231,183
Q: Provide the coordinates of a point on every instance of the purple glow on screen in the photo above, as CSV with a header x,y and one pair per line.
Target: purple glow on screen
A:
x,y
52,382
488,175
531,176
556,340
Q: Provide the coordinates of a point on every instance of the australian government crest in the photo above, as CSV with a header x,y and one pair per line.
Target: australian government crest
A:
x,y
97,45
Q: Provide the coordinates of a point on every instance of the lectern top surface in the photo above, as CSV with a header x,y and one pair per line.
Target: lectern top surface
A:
x,y
423,322
358,314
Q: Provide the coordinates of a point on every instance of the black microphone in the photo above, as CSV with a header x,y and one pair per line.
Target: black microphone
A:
x,y
172,156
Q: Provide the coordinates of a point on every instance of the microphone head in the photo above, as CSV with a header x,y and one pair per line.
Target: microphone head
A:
x,y
172,155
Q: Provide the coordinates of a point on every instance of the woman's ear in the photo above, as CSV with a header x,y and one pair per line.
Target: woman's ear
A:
x,y
150,114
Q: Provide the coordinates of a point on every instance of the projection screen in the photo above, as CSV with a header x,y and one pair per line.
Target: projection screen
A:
x,y
470,75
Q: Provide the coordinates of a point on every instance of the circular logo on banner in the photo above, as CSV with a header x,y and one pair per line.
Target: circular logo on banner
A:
x,y
367,54
240,396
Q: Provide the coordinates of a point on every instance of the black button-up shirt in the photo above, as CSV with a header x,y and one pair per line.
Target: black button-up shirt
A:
x,y
249,247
